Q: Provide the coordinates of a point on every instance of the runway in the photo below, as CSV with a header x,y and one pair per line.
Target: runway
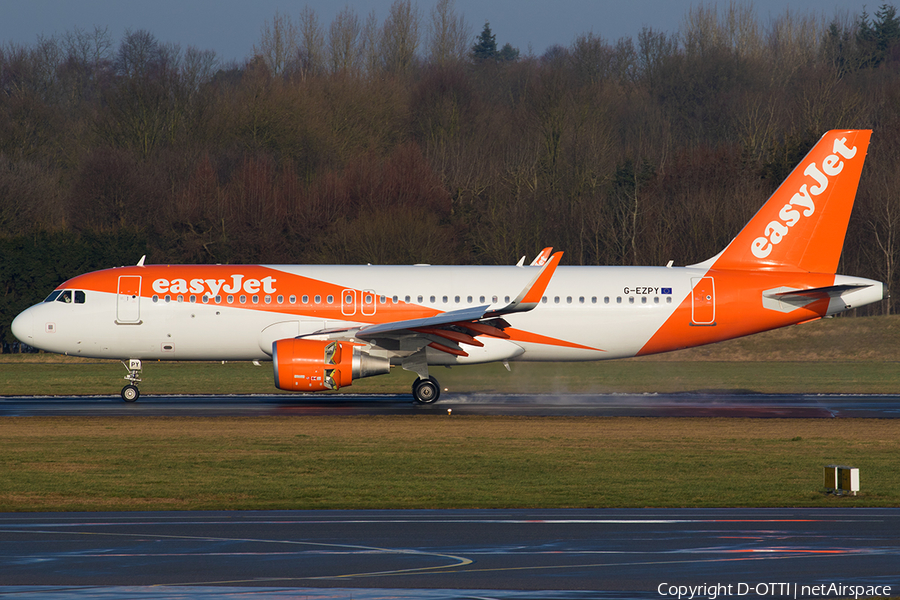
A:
x,y
549,554
704,404
455,554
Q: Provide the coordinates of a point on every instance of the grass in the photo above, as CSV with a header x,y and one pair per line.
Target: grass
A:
x,y
98,463
437,462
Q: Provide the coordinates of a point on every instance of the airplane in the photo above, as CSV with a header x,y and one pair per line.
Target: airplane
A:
x,y
325,326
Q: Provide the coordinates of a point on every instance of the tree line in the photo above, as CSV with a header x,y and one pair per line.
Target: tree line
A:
x,y
414,140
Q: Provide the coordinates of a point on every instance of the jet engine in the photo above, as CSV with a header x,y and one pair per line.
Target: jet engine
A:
x,y
315,365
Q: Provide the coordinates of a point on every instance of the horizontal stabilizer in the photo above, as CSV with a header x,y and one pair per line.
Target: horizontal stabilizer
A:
x,y
831,291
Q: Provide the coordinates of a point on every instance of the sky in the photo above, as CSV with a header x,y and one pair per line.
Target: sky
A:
x,y
231,27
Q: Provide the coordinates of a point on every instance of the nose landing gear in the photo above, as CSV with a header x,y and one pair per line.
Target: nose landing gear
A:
x,y
130,392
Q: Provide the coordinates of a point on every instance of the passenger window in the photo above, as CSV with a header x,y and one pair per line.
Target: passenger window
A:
x,y
268,299
229,299
406,299
656,300
668,299
568,299
330,299
180,298
544,299
556,300
292,299
193,298
581,300
446,299
155,298
631,300
606,300
243,299
168,298
432,298
318,299
456,299
481,299
280,299
619,300
255,299
305,299
643,299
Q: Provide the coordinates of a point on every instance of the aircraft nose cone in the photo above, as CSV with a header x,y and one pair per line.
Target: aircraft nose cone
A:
x,y
23,327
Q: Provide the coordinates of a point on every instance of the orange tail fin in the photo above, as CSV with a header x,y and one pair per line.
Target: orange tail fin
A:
x,y
802,226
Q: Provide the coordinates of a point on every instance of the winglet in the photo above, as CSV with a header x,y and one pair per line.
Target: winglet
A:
x,y
531,295
542,257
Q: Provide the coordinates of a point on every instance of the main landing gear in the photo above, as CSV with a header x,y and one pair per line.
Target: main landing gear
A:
x,y
130,392
426,391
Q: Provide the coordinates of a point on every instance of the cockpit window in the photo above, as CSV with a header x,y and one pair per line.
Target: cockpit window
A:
x,y
66,296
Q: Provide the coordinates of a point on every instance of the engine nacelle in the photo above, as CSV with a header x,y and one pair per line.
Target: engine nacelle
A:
x,y
315,365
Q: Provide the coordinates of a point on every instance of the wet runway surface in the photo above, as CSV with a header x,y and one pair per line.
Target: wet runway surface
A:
x,y
701,404
551,554
455,554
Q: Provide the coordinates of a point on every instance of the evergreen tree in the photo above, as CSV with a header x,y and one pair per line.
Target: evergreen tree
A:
x,y
887,30
508,53
875,38
486,46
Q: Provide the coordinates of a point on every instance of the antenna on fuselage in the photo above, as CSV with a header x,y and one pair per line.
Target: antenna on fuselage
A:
x,y
141,262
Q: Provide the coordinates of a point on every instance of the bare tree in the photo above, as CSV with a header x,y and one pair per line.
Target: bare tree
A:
x,y
345,42
312,43
449,36
139,54
278,43
90,48
883,222
591,58
400,37
371,40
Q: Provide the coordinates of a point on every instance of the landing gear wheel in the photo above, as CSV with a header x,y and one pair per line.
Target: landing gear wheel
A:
x,y
426,391
130,393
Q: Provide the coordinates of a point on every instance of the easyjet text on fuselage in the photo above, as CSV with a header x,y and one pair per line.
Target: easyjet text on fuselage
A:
x,y
236,285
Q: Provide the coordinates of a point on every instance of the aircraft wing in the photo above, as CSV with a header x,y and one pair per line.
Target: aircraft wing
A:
x,y
457,326
453,316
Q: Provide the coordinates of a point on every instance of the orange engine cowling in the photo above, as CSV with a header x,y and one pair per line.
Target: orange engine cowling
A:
x,y
316,365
